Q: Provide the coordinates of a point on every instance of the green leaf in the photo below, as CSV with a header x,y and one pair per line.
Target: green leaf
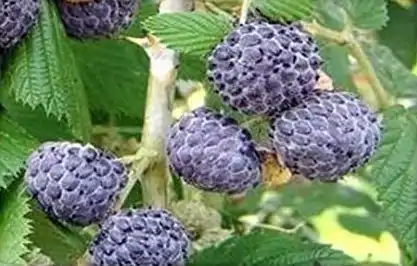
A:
x,y
195,33
192,68
36,258
330,14
402,20
115,74
369,15
270,248
30,119
14,226
147,8
285,9
15,146
42,72
394,172
337,66
394,76
62,245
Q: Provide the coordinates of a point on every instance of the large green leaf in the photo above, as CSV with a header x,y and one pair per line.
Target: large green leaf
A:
x,y
394,173
192,68
270,248
400,34
42,72
30,119
61,244
14,226
36,258
285,9
115,74
394,76
336,65
195,33
147,8
15,146
368,15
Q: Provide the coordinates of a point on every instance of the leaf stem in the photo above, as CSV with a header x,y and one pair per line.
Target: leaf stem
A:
x,y
357,51
244,11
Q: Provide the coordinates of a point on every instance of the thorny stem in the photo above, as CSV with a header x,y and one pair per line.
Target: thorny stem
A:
x,y
347,39
157,121
160,93
244,11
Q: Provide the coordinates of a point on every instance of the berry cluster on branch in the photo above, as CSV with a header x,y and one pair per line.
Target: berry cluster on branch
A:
x,y
261,69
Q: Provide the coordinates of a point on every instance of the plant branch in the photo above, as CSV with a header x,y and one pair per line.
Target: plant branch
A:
x,y
157,121
160,93
142,161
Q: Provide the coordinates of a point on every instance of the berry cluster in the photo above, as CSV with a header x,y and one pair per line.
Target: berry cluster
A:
x,y
81,19
79,184
271,70
262,69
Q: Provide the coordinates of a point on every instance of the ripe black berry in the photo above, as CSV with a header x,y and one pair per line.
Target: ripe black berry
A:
x,y
212,153
326,136
74,183
147,237
17,17
97,18
263,68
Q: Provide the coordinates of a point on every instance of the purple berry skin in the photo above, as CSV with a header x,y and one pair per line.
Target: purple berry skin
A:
x,y
146,237
327,136
98,18
263,69
213,153
74,183
17,17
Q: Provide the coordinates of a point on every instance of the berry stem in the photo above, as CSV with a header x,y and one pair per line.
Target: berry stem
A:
x,y
316,29
144,160
244,11
384,99
346,38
